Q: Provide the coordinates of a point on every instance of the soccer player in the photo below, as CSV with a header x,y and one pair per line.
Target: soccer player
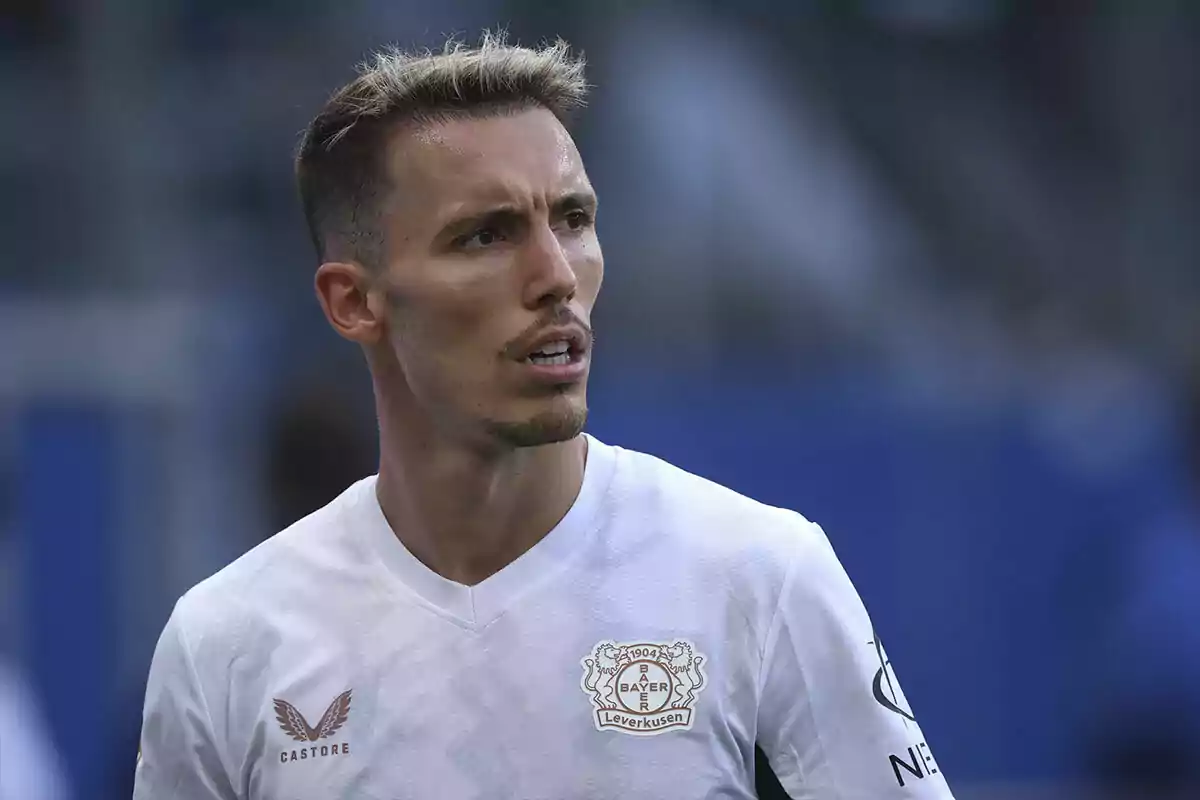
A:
x,y
509,608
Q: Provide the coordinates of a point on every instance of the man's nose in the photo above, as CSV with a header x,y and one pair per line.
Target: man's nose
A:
x,y
552,279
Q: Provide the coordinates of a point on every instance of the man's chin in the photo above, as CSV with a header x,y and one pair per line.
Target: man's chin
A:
x,y
547,427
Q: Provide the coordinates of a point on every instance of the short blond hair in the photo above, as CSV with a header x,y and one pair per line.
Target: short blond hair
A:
x,y
340,171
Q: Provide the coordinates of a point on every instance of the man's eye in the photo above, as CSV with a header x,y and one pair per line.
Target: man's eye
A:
x,y
578,219
484,237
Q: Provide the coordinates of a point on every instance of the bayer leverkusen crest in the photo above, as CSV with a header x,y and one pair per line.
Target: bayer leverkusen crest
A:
x,y
643,688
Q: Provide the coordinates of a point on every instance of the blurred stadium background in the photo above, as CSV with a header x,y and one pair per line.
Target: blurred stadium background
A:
x,y
925,270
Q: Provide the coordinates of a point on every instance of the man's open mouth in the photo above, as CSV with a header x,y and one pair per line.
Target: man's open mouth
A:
x,y
553,354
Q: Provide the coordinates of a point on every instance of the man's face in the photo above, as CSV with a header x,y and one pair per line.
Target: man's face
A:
x,y
492,267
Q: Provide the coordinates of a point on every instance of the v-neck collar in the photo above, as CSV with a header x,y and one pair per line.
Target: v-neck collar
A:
x,y
474,607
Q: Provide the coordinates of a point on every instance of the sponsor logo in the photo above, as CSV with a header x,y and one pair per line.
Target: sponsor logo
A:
x,y
919,763
643,688
296,726
886,688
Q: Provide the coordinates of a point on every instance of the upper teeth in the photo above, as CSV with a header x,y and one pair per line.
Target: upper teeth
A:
x,y
554,348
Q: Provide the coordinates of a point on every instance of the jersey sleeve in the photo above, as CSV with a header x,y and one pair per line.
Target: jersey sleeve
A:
x,y
832,720
179,756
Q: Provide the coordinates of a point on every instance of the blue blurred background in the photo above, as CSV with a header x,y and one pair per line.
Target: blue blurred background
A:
x,y
927,271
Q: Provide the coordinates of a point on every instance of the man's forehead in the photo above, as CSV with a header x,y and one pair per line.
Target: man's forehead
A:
x,y
490,156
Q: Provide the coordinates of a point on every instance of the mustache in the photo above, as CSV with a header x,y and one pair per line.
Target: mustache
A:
x,y
561,317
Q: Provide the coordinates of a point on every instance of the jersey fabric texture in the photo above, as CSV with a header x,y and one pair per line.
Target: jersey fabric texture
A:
x,y
641,649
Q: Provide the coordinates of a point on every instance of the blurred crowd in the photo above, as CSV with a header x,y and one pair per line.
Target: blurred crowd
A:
x,y
927,271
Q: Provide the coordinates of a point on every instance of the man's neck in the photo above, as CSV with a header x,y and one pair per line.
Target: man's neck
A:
x,y
465,514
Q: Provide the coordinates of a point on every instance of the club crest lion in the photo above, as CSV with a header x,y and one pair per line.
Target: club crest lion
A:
x,y
643,688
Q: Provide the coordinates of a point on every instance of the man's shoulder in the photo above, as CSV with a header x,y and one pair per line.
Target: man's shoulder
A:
x,y
276,577
701,513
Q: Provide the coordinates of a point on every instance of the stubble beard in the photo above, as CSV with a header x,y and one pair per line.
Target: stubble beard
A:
x,y
544,428
548,427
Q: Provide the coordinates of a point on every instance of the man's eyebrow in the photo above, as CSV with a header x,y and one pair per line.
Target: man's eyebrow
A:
x,y
501,213
511,212
576,200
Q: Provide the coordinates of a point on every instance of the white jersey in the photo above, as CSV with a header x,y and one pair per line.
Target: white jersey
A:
x,y
640,650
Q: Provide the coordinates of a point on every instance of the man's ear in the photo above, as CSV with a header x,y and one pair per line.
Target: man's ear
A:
x,y
354,311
